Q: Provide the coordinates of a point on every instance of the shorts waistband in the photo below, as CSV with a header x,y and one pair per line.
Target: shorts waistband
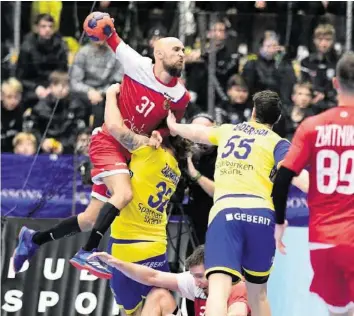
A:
x,y
238,196
127,241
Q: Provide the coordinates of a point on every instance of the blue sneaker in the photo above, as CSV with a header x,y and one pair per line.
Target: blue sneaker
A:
x,y
95,266
25,249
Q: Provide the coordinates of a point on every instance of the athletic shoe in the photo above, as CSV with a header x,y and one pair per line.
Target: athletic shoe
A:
x,y
95,266
25,249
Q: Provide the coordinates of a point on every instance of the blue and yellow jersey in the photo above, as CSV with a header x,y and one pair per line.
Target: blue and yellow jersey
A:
x,y
155,175
249,154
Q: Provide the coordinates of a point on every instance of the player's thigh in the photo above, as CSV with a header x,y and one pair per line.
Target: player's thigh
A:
x,y
224,245
107,156
259,247
128,294
118,183
159,302
329,279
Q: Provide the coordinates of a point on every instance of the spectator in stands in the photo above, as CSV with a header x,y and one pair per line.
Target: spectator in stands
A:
x,y
319,68
41,53
270,70
154,35
238,108
82,141
11,112
300,109
95,68
24,144
62,131
227,64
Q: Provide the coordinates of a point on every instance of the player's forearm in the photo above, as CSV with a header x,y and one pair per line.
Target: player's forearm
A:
x,y
302,181
116,127
207,185
280,193
195,133
138,273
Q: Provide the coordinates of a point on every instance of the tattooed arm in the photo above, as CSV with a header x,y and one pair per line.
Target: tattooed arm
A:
x,y
115,125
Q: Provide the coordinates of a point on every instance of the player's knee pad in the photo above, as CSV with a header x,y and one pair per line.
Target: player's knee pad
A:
x,y
255,279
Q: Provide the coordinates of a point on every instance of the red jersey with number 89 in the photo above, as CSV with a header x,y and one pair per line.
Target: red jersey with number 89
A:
x,y
325,143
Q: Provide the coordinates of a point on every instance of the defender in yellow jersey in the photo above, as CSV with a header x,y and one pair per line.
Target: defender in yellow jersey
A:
x,y
139,233
240,238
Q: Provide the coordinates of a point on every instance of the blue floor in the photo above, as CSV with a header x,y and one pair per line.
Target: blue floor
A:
x,y
288,287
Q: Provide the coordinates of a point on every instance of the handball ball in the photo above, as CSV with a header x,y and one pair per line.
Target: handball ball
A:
x,y
98,26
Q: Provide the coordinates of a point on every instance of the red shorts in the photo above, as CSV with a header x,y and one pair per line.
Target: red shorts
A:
x,y
333,278
107,156
100,192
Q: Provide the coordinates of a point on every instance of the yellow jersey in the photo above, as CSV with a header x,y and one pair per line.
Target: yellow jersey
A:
x,y
155,175
248,156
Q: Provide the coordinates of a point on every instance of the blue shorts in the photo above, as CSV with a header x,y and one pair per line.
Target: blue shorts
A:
x,y
241,242
129,294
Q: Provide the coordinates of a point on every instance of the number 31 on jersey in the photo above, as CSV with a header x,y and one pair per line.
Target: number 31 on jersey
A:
x,y
145,106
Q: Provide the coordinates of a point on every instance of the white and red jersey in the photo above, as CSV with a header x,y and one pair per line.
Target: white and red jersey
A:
x,y
326,143
188,289
144,101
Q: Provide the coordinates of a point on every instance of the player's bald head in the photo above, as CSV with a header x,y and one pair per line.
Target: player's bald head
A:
x,y
169,53
166,43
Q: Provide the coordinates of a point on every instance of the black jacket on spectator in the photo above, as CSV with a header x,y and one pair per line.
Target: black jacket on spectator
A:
x,y
263,74
37,60
232,113
64,126
200,202
290,126
320,71
227,64
11,124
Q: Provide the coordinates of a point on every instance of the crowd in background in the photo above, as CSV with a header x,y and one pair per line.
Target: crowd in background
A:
x,y
300,68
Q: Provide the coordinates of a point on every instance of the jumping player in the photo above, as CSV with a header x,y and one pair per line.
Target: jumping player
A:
x,y
30,241
191,284
147,93
241,223
139,233
326,143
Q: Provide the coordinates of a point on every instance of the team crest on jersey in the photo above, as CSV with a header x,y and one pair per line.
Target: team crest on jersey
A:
x,y
167,104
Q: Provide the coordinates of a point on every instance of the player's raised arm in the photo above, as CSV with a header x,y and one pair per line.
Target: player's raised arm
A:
x,y
99,27
141,273
116,127
196,133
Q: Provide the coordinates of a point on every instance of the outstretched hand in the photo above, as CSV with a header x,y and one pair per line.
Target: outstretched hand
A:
x,y
155,139
106,258
172,123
